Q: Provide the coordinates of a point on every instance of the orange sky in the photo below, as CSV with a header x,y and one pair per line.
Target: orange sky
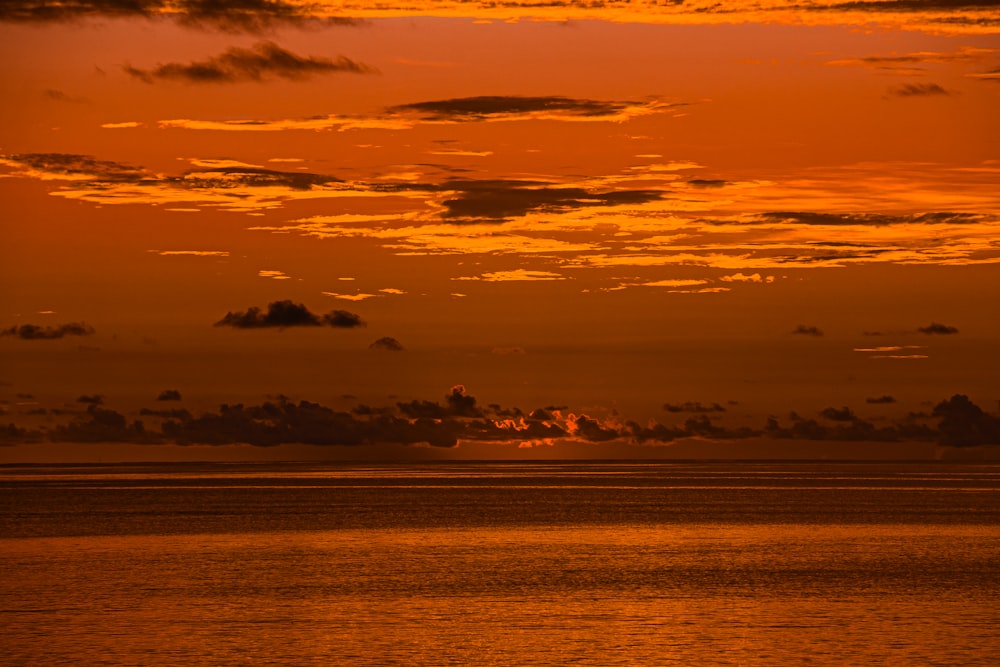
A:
x,y
676,223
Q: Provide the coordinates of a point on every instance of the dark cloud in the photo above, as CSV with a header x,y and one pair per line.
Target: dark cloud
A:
x,y
36,332
502,199
844,414
874,219
387,343
903,5
492,106
224,177
281,314
918,90
260,62
71,164
690,406
707,183
964,424
934,328
84,167
60,96
169,395
803,330
176,413
95,399
102,425
876,400
227,15
956,422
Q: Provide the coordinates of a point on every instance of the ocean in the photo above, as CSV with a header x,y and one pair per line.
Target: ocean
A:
x,y
581,563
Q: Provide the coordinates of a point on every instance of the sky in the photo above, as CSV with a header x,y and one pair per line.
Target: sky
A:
x,y
265,229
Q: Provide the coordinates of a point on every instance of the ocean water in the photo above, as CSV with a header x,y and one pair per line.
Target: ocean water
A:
x,y
700,563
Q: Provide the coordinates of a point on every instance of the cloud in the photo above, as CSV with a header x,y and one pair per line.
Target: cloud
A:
x,y
949,16
95,399
918,90
964,424
70,166
990,75
875,219
36,332
169,395
938,329
911,62
503,199
193,253
512,107
258,63
515,275
281,314
695,406
844,414
233,186
226,15
956,422
388,344
803,330
436,112
880,400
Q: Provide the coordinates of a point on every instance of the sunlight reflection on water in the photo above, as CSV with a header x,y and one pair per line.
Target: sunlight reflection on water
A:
x,y
507,586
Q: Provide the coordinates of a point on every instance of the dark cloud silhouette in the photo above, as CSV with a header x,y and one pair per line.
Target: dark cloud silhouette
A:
x,y
169,395
493,106
501,199
71,164
387,343
690,406
176,413
86,167
876,400
803,330
102,425
258,63
964,424
707,183
94,399
956,422
343,319
874,219
281,314
844,414
60,96
227,15
918,90
902,5
934,328
225,177
36,332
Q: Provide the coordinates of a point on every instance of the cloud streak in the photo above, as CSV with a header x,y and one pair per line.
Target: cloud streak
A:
x,y
263,61
38,332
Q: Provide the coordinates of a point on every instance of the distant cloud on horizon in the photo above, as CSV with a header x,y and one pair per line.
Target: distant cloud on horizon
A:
x,y
284,314
38,332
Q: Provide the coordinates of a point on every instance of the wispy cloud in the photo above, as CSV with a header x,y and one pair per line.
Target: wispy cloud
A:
x,y
918,90
262,61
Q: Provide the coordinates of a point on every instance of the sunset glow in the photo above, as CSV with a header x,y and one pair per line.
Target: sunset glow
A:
x,y
498,230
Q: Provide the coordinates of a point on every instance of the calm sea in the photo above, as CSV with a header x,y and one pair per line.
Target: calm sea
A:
x,y
500,564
